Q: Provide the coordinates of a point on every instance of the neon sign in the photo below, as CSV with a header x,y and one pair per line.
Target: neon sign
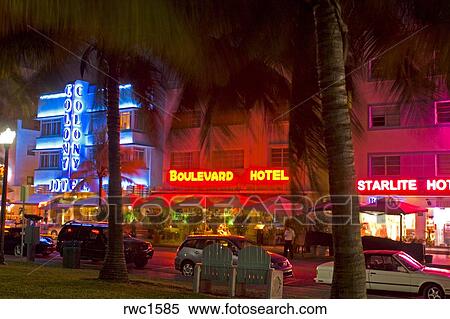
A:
x,y
72,135
268,175
226,177
403,186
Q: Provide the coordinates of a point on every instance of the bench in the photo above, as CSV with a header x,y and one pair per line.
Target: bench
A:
x,y
217,266
254,268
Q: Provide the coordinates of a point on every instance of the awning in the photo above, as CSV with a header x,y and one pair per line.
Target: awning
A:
x,y
88,201
388,206
127,200
36,199
391,206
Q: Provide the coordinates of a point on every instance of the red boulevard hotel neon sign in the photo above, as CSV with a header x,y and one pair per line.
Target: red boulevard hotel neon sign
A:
x,y
226,177
438,186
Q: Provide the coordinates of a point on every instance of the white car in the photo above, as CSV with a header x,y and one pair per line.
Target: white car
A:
x,y
392,270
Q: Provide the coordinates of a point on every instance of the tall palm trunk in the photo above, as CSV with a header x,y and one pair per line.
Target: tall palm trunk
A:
x,y
349,279
114,267
100,184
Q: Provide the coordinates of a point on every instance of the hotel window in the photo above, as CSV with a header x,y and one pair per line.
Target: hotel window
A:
x,y
125,120
187,119
139,154
134,154
49,160
279,157
235,117
443,164
184,160
139,122
228,159
51,128
442,112
385,165
384,115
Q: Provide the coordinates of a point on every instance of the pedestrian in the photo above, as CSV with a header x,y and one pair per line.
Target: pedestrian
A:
x,y
299,241
289,236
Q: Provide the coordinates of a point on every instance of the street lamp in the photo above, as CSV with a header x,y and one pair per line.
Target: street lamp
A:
x,y
6,139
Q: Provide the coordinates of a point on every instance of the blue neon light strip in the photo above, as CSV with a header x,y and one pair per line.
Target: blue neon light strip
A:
x,y
52,96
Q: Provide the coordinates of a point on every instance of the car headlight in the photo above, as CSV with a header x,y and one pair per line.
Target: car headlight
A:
x,y
272,265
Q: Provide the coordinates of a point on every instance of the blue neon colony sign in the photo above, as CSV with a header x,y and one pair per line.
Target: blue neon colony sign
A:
x,y
72,134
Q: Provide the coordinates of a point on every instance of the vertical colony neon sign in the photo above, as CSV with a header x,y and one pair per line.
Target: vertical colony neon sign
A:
x,y
72,134
73,107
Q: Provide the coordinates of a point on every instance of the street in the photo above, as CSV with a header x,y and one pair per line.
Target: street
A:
x,y
161,267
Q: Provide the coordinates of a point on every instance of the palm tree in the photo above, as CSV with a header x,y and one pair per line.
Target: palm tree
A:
x,y
120,66
330,32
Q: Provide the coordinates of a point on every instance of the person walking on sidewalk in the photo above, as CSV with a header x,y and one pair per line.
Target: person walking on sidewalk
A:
x,y
289,236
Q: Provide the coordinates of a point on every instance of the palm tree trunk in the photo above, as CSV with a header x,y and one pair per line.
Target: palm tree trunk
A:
x,y
100,183
114,267
349,279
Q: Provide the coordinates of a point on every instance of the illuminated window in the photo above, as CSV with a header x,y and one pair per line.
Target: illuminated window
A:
x,y
228,159
125,120
49,160
51,128
385,165
442,112
279,157
384,115
184,160
443,164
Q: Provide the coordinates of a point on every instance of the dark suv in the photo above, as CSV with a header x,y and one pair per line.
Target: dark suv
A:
x,y
13,241
191,252
93,239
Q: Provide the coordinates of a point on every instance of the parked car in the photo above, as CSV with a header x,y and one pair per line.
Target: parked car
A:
x,y
93,238
50,229
393,270
191,251
13,240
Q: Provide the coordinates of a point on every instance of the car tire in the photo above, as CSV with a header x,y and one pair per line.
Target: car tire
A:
x,y
187,268
433,291
140,262
17,250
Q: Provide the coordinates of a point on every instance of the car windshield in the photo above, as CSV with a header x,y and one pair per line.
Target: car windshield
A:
x,y
409,262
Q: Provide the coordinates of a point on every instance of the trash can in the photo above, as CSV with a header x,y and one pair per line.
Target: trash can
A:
x,y
71,255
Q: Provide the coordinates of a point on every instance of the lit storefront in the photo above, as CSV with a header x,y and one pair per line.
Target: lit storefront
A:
x,y
217,202
438,226
430,224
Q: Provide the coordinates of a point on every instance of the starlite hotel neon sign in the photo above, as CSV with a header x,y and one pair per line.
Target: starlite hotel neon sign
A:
x,y
72,135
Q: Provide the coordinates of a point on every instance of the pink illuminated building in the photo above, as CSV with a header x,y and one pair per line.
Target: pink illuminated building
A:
x,y
406,141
